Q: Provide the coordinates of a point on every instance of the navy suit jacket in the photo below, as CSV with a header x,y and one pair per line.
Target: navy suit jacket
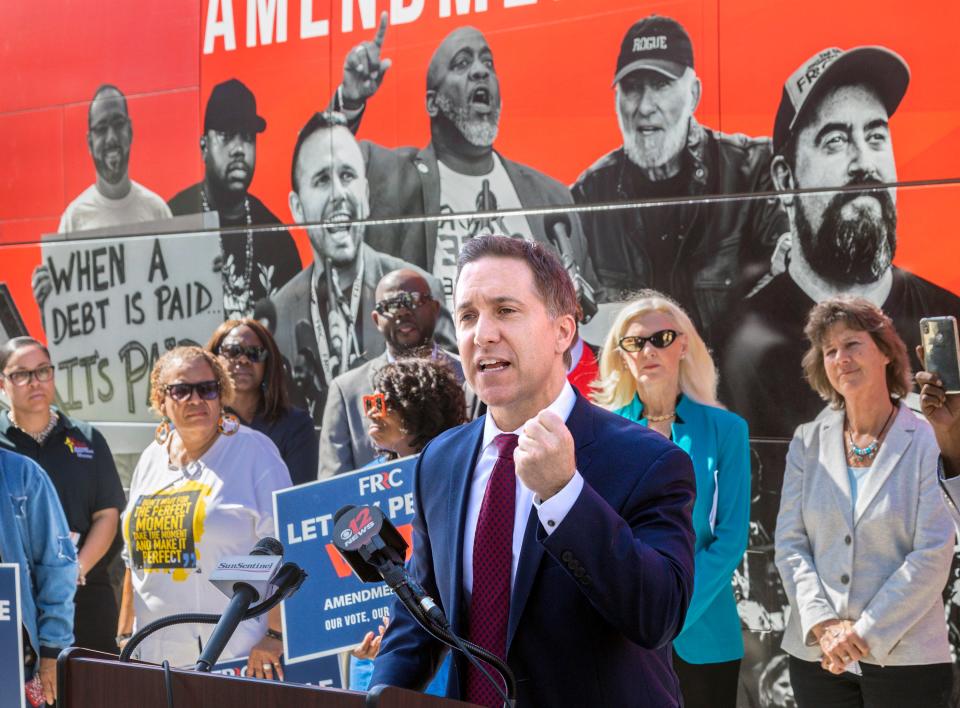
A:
x,y
596,603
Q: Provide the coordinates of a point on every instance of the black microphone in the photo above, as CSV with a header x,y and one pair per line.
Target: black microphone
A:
x,y
366,539
375,550
244,595
559,228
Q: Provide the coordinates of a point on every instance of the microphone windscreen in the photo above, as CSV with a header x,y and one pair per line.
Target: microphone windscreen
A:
x,y
267,546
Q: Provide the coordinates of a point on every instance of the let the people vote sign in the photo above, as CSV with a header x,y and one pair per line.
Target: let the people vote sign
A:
x,y
11,638
333,609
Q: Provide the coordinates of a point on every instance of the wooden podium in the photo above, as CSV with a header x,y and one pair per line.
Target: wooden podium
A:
x,y
92,679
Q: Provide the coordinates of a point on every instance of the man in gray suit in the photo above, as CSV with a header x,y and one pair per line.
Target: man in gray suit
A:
x,y
406,315
318,311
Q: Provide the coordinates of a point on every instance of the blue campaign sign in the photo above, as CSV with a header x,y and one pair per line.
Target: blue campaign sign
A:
x,y
333,609
323,671
11,638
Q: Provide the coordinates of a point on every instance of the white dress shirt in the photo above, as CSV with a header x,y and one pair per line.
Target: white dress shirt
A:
x,y
551,512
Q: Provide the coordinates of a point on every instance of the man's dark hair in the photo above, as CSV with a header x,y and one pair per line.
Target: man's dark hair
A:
x,y
549,276
103,88
425,394
318,121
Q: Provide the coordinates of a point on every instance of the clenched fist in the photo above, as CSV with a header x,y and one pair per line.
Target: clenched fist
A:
x,y
544,457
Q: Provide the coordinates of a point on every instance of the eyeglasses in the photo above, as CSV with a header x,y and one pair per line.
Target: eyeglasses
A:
x,y
254,354
206,390
661,340
374,405
402,301
22,378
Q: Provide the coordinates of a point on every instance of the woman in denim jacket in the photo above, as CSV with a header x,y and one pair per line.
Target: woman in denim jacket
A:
x,y
34,535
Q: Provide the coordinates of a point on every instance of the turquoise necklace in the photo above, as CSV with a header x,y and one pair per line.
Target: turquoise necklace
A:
x,y
861,454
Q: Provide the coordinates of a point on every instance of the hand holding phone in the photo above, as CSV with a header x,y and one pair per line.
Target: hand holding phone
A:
x,y
939,386
941,350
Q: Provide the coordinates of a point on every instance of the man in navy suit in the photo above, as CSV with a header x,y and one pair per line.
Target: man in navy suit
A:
x,y
551,532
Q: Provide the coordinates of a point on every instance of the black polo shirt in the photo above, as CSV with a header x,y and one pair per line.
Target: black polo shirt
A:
x,y
81,467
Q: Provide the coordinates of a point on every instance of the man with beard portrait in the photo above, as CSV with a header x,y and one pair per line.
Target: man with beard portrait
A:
x,y
831,135
705,255
323,310
114,199
255,263
459,172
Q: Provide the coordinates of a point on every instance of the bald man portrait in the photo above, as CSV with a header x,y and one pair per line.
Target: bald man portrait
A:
x,y
459,172
406,314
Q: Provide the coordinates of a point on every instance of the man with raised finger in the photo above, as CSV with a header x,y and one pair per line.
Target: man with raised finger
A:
x,y
551,532
460,174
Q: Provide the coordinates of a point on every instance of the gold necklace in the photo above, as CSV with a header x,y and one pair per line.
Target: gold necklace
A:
x,y
661,418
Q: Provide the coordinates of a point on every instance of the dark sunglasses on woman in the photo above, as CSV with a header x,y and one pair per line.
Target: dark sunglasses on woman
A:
x,y
234,351
206,390
661,340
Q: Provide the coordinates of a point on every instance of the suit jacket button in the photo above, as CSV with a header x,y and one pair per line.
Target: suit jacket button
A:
x,y
847,540
845,579
579,572
566,556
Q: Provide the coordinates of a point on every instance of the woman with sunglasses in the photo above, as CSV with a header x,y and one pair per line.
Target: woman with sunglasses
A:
x,y
656,370
201,491
79,463
249,353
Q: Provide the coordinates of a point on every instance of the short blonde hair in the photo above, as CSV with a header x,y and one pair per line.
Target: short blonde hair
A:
x,y
698,374
859,314
183,354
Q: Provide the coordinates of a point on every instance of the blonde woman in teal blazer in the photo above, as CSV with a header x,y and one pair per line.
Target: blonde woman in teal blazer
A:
x,y
656,370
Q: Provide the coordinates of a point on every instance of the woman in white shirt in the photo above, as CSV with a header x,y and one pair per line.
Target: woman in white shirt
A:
x,y
203,490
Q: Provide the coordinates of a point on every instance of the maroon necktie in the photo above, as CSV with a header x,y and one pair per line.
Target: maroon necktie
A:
x,y
492,560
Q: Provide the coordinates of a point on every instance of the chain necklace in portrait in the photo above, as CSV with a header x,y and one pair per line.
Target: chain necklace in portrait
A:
x,y
40,436
237,290
859,455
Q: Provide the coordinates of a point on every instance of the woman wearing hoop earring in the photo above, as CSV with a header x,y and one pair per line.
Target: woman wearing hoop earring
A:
x,y
864,542
201,491
656,370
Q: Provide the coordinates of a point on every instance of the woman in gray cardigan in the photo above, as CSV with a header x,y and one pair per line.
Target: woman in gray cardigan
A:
x,y
863,541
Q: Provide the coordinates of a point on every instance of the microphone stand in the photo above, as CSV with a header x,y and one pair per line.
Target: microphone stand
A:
x,y
288,580
429,616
